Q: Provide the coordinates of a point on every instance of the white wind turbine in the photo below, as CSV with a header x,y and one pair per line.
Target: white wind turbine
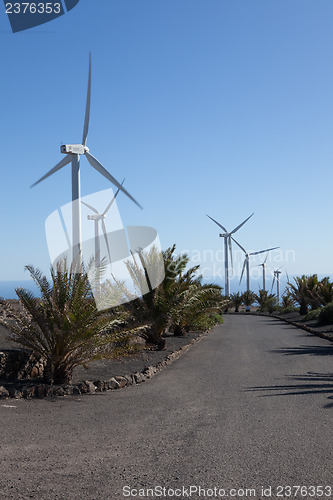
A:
x,y
97,218
246,263
276,277
227,243
73,153
263,265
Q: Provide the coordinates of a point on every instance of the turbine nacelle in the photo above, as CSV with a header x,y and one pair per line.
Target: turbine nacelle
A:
x,y
96,217
224,235
74,149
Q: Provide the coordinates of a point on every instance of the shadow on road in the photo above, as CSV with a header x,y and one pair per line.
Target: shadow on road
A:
x,y
310,383
314,350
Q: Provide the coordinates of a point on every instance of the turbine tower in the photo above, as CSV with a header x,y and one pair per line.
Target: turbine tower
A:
x,y
97,218
73,153
227,243
246,263
264,271
276,277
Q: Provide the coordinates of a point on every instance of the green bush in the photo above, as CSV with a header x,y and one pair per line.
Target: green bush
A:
x,y
289,309
326,315
206,322
313,315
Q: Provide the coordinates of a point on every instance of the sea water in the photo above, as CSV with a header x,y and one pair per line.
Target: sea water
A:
x,y
7,288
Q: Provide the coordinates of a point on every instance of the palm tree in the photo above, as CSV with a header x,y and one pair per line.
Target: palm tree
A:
x,y
326,291
63,326
191,302
248,298
299,292
236,300
287,299
176,302
267,301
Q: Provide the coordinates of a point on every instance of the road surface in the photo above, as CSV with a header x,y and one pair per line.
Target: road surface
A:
x,y
248,407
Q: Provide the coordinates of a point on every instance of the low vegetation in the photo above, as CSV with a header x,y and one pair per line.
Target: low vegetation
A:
x,y
307,295
65,328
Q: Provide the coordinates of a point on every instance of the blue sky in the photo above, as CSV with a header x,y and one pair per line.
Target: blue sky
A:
x,y
221,107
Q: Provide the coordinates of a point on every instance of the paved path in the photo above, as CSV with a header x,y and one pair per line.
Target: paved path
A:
x,y
251,405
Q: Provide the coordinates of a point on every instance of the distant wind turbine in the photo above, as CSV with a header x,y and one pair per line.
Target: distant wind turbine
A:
x,y
73,153
227,243
264,266
246,263
99,217
276,277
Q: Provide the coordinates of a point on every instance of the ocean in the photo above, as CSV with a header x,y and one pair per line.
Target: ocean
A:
x,y
7,288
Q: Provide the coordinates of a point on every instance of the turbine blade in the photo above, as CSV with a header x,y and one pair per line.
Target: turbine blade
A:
x,y
111,202
240,246
87,115
62,163
220,225
270,270
99,167
106,239
273,283
242,224
263,251
242,271
89,206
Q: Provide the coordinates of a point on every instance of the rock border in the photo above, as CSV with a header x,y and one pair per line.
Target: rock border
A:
x,y
40,390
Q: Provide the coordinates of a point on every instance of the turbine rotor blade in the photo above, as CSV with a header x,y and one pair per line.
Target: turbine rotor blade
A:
x,y
270,270
263,251
113,199
106,239
89,206
87,115
240,246
99,167
243,270
220,225
242,224
67,159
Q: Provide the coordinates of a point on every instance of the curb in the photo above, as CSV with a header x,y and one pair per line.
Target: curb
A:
x,y
40,390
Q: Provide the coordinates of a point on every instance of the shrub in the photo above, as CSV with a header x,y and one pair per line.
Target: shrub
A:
x,y
289,309
326,315
207,321
64,325
312,315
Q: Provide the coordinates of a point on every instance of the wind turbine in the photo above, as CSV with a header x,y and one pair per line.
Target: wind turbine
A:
x,y
227,242
263,265
246,263
99,217
276,277
73,153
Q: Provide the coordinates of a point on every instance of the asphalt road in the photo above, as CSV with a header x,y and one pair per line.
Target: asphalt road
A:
x,y
250,406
